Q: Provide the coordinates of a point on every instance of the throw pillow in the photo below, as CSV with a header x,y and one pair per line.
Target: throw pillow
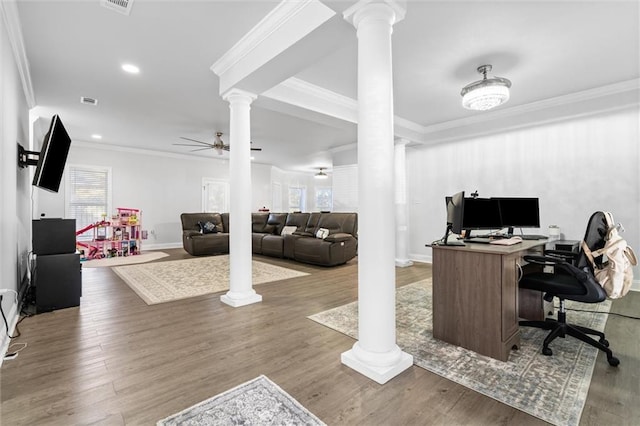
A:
x,y
322,233
208,228
288,230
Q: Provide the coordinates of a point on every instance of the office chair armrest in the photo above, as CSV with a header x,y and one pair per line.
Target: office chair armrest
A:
x,y
562,254
545,260
562,264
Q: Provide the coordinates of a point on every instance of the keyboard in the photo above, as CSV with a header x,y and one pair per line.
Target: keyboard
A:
x,y
480,240
533,237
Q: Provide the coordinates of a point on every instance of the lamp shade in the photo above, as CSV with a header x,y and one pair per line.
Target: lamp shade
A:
x,y
487,93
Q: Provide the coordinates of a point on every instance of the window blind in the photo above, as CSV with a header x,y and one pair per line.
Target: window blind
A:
x,y
88,196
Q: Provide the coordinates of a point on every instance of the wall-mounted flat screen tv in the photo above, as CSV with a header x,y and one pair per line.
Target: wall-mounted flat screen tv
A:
x,y
53,156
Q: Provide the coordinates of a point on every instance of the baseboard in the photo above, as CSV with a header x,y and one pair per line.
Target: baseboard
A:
x,y
422,258
146,246
12,320
635,286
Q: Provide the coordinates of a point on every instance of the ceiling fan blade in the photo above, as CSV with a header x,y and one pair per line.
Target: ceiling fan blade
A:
x,y
256,149
200,149
193,140
186,144
226,147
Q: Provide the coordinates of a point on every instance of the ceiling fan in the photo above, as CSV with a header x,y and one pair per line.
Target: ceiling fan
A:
x,y
218,144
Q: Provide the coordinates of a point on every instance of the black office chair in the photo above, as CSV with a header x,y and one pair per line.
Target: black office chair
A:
x,y
572,279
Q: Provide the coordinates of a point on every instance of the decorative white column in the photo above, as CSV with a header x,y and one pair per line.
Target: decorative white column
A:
x,y
402,237
376,354
241,291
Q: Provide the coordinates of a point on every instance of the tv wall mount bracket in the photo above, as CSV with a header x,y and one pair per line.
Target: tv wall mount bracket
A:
x,y
26,158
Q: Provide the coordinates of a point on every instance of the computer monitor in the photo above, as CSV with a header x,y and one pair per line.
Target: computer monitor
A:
x,y
519,213
455,205
481,213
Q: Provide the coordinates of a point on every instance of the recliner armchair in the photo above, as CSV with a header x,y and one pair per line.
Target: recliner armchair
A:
x,y
572,279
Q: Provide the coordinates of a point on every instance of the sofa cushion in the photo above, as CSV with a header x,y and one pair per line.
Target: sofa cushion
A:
x,y
259,222
339,222
299,220
275,223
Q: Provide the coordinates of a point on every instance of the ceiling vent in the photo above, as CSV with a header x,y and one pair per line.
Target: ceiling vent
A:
x,y
120,6
88,101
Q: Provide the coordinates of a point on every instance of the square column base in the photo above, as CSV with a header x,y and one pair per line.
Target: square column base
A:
x,y
379,374
403,263
252,298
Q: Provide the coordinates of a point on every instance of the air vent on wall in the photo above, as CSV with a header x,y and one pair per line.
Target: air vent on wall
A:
x,y
120,6
88,101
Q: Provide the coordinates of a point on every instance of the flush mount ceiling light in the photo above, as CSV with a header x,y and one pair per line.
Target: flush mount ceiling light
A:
x,y
487,93
130,68
96,136
321,174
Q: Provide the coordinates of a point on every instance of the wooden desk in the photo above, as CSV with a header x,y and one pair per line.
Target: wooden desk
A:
x,y
475,295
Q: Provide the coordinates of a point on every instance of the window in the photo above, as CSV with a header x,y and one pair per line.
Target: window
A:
x,y
88,195
215,195
324,198
297,197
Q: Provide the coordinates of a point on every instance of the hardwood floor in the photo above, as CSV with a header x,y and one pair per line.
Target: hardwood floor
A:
x,y
116,360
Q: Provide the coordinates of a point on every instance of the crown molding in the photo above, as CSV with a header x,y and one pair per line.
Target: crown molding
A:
x,y
268,25
9,11
305,95
283,18
558,101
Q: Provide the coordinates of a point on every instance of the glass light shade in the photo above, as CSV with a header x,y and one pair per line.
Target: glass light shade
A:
x,y
321,175
485,97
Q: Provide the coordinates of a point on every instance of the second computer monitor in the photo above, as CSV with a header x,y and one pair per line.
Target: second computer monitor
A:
x,y
519,212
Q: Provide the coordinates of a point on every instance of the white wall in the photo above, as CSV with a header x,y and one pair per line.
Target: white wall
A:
x,y
15,219
575,167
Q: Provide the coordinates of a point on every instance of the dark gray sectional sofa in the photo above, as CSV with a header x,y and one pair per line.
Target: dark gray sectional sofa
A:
x,y
300,240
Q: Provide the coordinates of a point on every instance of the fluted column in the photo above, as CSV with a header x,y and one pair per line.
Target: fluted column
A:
x,y
402,236
241,290
376,354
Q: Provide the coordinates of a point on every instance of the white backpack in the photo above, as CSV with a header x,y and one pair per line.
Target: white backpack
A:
x,y
615,274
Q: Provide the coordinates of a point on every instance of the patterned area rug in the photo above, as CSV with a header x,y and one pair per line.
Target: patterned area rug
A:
x,y
256,402
124,260
161,282
552,388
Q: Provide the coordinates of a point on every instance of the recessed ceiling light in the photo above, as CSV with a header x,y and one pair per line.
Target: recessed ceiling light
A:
x,y
130,68
253,158
96,136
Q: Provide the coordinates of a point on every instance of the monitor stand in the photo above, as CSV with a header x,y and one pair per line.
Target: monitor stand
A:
x,y
445,239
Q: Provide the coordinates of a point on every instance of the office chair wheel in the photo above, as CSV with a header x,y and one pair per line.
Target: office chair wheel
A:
x,y
613,361
547,351
604,342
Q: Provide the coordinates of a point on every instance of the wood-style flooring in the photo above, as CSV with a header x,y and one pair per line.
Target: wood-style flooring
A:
x,y
115,360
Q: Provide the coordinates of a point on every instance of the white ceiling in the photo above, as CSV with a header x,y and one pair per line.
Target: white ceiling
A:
x,y
75,48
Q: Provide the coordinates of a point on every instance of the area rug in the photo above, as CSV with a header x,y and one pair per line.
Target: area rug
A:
x,y
256,402
160,282
553,388
124,260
